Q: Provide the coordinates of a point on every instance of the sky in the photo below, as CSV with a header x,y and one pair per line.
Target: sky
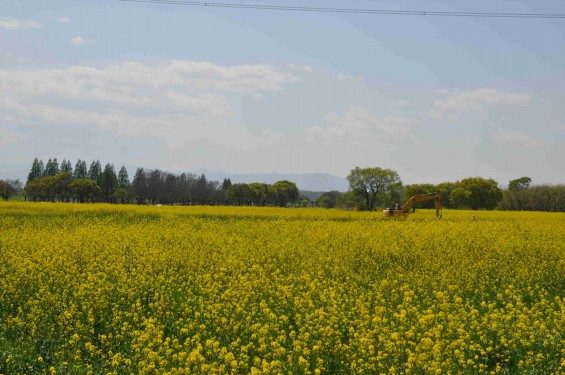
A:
x,y
183,88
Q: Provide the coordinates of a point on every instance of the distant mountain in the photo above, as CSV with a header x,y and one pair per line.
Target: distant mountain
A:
x,y
304,181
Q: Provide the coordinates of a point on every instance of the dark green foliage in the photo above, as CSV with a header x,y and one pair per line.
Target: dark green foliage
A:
x,y
51,168
123,179
283,192
84,189
49,188
535,198
520,183
67,167
139,186
37,170
239,194
329,199
375,185
80,169
95,171
108,182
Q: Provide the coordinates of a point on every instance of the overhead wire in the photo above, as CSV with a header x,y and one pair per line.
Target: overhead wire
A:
x,y
354,10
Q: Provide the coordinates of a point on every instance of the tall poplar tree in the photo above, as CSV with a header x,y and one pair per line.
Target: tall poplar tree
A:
x,y
80,169
36,170
51,168
108,182
139,186
123,179
67,167
94,171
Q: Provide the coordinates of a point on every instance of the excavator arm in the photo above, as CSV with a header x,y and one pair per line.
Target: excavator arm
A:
x,y
405,209
420,198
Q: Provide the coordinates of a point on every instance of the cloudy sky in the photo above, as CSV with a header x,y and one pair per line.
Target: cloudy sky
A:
x,y
180,87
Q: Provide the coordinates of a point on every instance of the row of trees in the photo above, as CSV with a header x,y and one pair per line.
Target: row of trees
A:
x,y
51,183
377,187
369,188
520,196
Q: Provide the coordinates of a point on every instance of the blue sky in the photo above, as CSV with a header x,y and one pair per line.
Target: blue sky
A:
x,y
254,91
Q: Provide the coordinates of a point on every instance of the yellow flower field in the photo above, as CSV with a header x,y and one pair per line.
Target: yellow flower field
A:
x,y
229,290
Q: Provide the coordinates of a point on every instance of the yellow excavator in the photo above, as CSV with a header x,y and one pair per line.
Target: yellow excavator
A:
x,y
403,211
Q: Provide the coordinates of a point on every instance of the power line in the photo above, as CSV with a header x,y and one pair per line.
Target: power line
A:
x,y
353,10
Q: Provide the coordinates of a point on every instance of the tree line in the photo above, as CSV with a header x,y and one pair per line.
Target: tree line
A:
x,y
520,196
370,188
378,187
54,182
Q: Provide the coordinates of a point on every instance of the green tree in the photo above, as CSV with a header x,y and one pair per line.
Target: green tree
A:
x,y
51,168
61,182
284,192
485,193
94,171
139,186
84,188
518,194
156,186
38,188
200,193
224,189
535,198
123,179
226,184
460,197
258,193
239,194
9,188
122,195
375,184
329,199
66,167
108,182
80,169
183,187
49,187
37,170
445,189
521,183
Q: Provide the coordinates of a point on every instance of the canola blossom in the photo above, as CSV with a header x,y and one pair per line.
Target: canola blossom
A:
x,y
230,290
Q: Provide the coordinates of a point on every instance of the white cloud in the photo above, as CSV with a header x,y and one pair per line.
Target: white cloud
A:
x,y
453,104
358,126
177,102
80,41
10,23
202,103
64,19
133,84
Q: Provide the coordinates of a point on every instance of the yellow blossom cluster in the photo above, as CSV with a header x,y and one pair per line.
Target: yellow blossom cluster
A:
x,y
229,290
